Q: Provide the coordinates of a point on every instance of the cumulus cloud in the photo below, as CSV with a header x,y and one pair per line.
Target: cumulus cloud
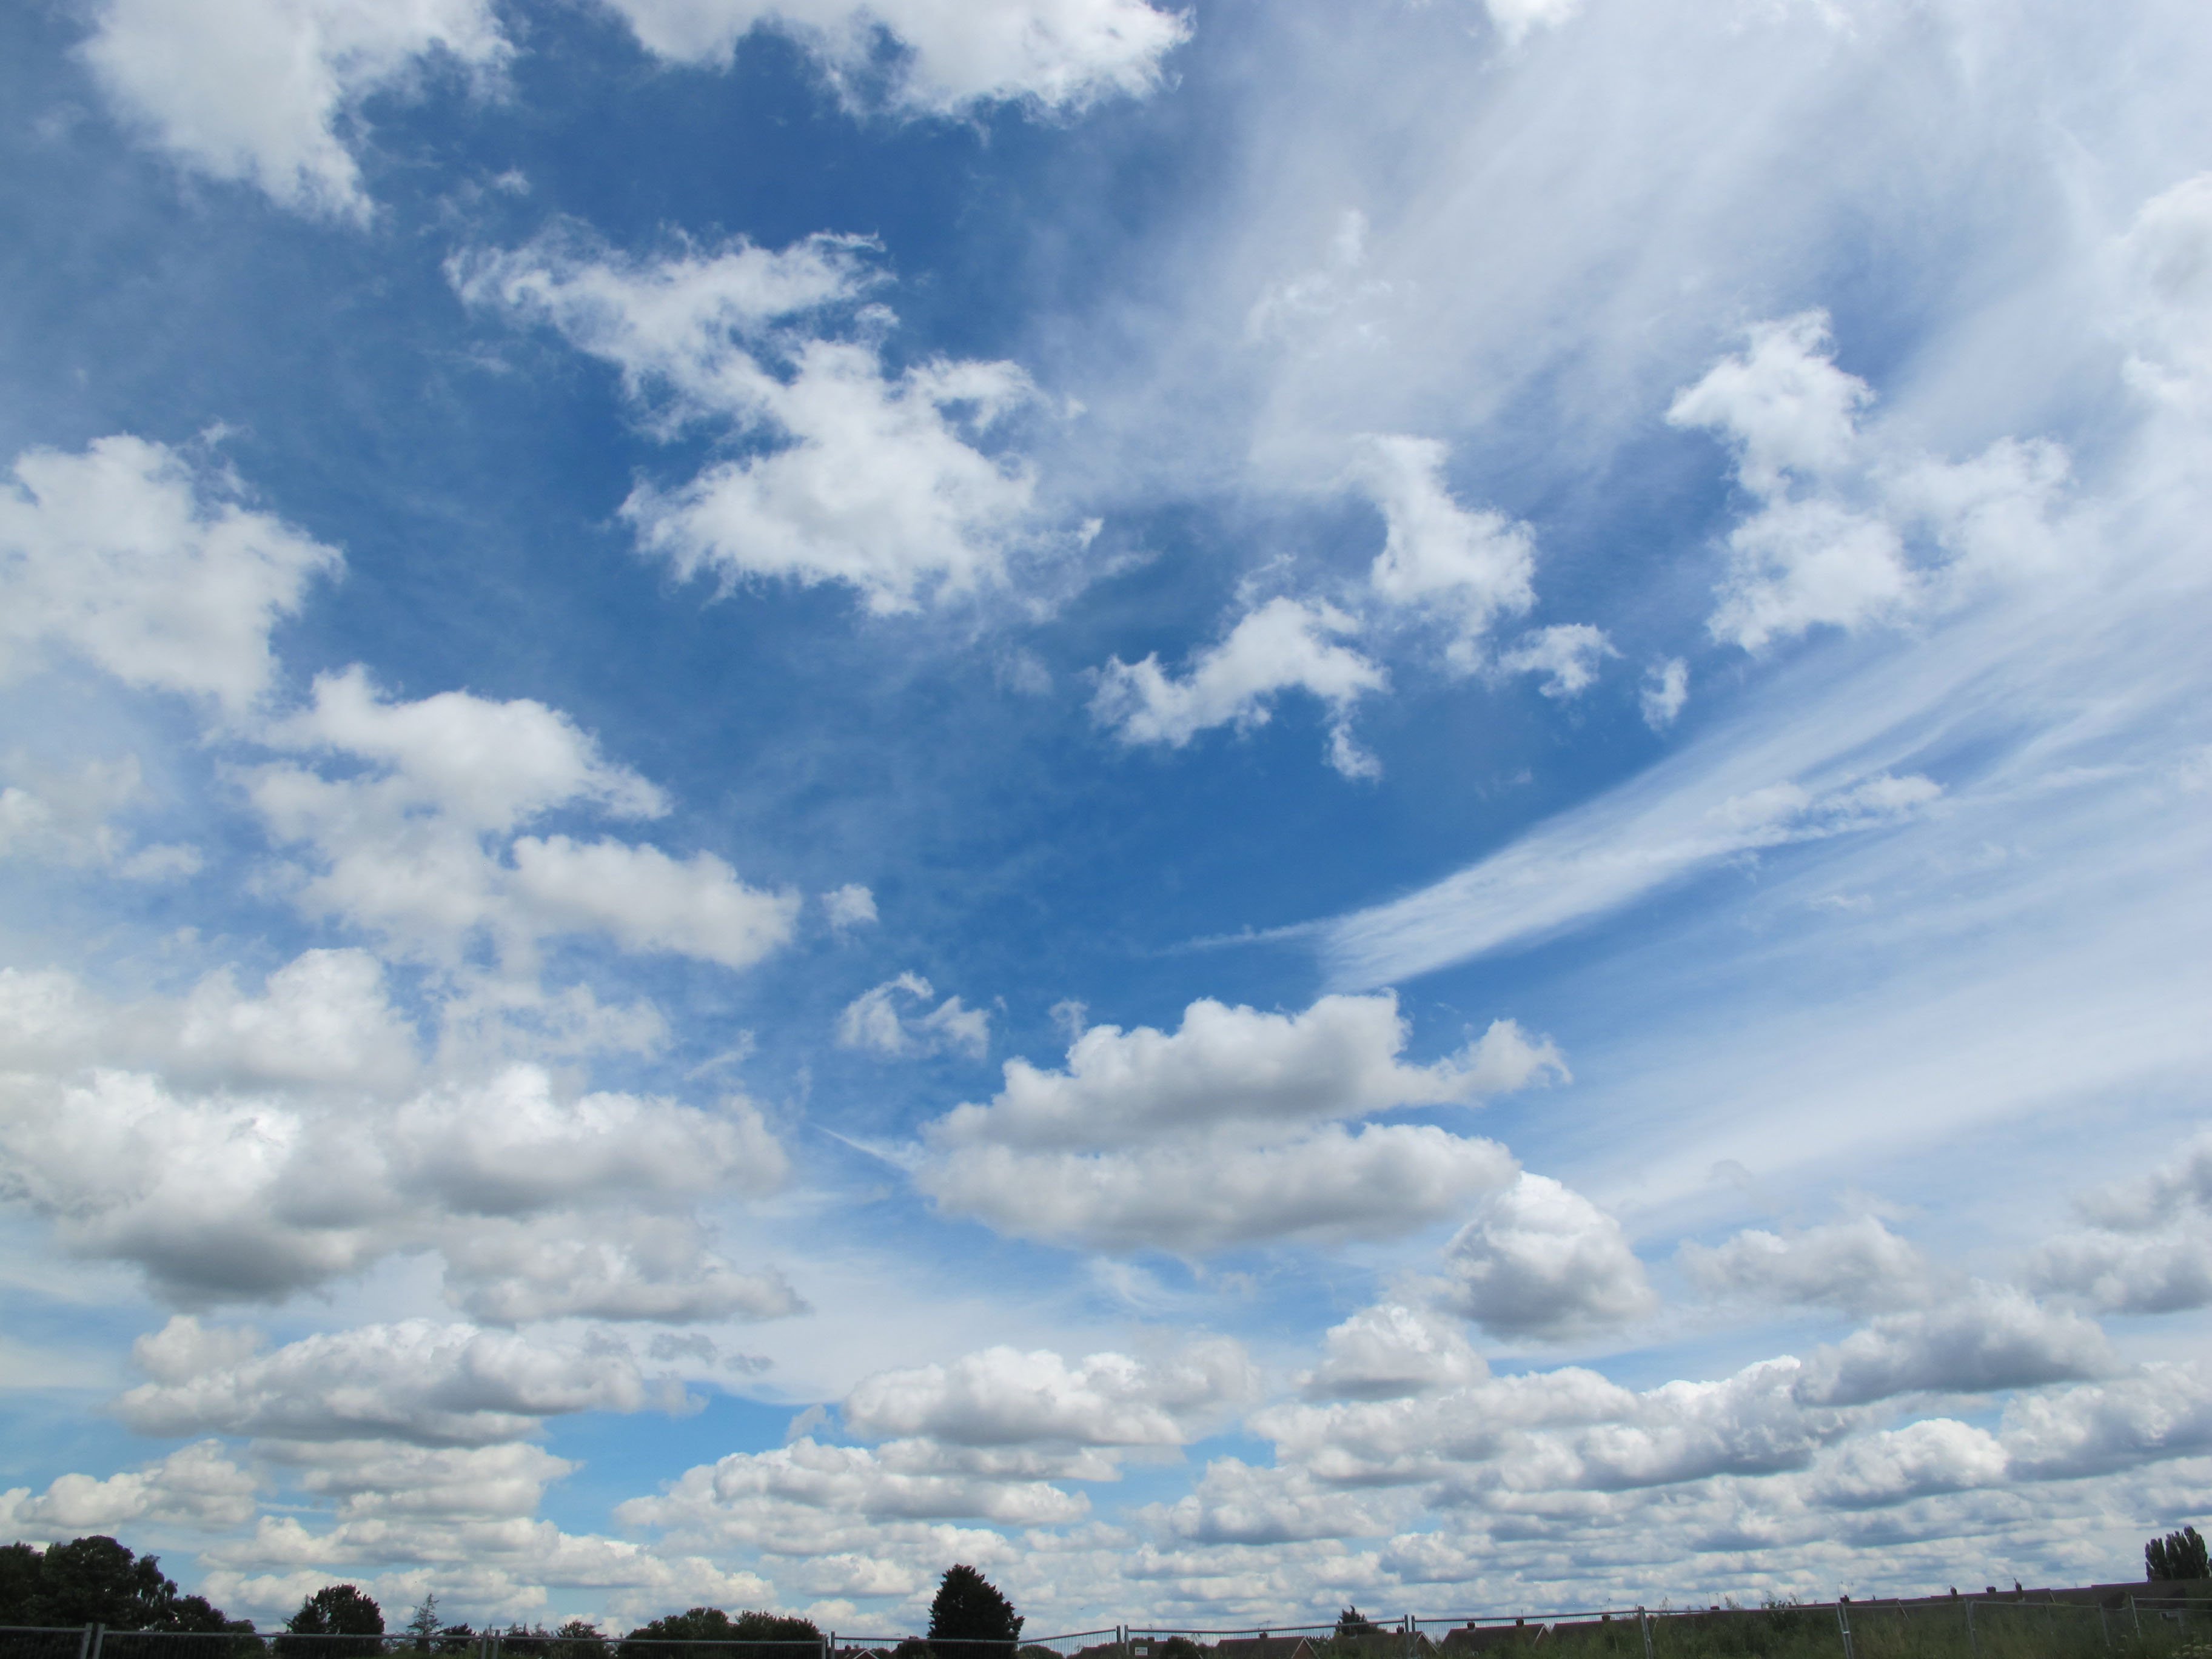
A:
x,y
1234,1502
1058,54
416,1380
198,1486
1228,1130
1851,530
1859,1266
408,845
1665,693
856,475
1568,657
2159,1410
2148,1248
1464,570
850,906
268,92
66,817
1391,1351
1283,645
377,1477
877,1020
1540,1260
1006,1397
1893,1466
235,1146
1993,1337
151,569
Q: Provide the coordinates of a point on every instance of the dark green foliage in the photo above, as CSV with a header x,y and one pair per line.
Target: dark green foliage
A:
x,y
971,1619
2178,1558
98,1581
1350,1623
1175,1647
765,1636
338,1610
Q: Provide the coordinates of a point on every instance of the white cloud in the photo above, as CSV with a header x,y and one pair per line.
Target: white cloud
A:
x,y
1006,1397
1283,645
1515,19
1666,691
410,848
197,1486
850,906
1540,1260
2148,1246
1859,1266
2159,1411
1895,1465
414,1381
1849,533
1463,569
1991,1338
149,568
875,1020
1391,1351
266,92
1227,1131
64,818
1060,54
868,478
245,1147
1233,1502
1567,655
374,1478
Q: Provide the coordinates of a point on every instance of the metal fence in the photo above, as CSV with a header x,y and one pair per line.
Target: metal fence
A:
x,y
1946,1627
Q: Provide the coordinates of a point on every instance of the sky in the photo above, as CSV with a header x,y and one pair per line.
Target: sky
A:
x,y
1241,809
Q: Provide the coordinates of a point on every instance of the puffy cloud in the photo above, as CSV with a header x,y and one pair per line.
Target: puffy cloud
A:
x,y
1056,53
150,568
850,906
1516,19
2159,1411
198,1486
1894,1465
875,1020
246,1146
1665,693
1991,1338
1849,530
806,1498
64,818
1236,1503
410,847
2149,1247
416,1381
1006,1397
258,91
1859,1266
1283,645
1567,656
1337,1059
1391,1351
1467,570
866,478
1227,1131
1540,1260
382,1478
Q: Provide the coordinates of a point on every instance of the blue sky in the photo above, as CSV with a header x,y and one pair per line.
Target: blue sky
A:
x,y
1238,812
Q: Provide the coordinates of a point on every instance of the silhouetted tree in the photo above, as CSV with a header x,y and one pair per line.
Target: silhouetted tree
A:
x,y
764,1636
339,1621
971,1619
2177,1557
96,1580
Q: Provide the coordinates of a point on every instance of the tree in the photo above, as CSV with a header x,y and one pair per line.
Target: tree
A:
x,y
2178,1558
96,1580
971,1619
1350,1623
422,1623
767,1636
344,1616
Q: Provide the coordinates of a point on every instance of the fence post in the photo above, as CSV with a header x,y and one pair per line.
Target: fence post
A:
x,y
99,1636
84,1643
2104,1625
1973,1642
1844,1624
2133,1614
1644,1619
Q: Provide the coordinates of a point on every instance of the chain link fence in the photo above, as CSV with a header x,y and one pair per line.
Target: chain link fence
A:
x,y
2053,1626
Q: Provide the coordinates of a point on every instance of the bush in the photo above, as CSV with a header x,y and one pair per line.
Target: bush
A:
x,y
96,1580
